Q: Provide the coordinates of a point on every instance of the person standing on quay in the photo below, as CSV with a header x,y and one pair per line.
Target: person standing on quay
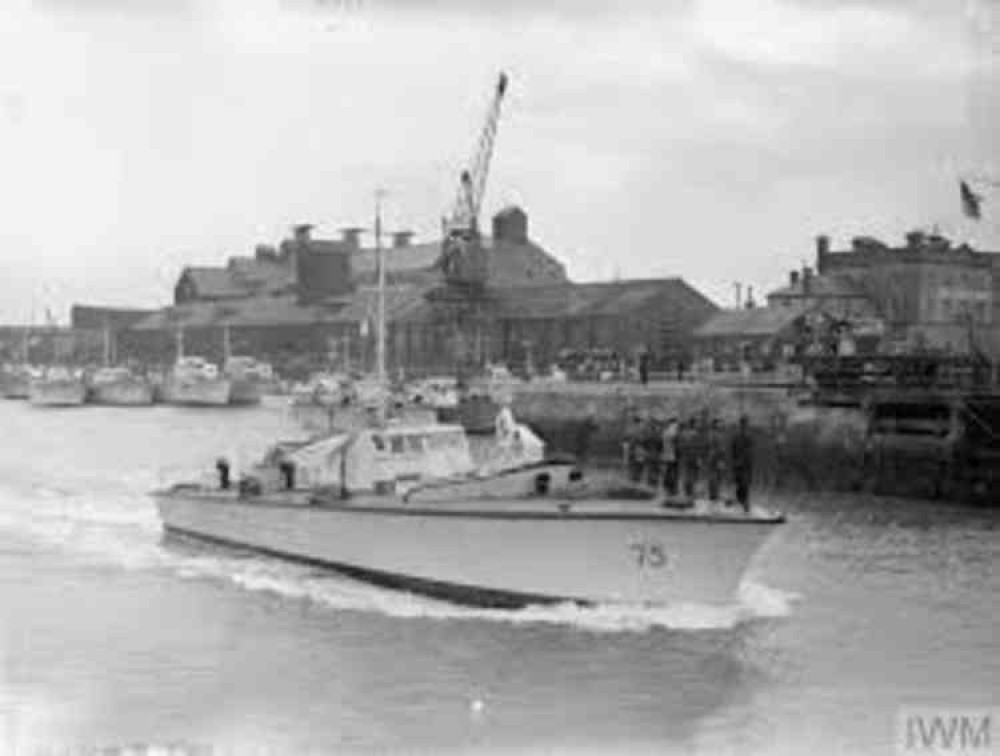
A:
x,y
742,462
670,460
715,457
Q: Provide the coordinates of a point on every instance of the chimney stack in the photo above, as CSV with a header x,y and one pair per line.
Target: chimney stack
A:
x,y
401,239
822,250
351,235
302,232
265,252
793,277
807,274
915,239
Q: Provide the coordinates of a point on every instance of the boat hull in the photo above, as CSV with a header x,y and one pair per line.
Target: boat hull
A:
x,y
57,393
196,393
244,391
135,393
16,387
502,556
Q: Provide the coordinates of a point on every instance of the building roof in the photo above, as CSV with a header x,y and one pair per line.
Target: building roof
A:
x,y
96,317
241,276
827,285
283,310
249,311
759,321
412,257
270,274
510,210
589,299
400,302
411,260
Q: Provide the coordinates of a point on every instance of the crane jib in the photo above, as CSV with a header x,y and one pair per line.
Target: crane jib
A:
x,y
472,182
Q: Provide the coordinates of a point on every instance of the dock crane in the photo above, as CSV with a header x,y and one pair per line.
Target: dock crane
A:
x,y
463,258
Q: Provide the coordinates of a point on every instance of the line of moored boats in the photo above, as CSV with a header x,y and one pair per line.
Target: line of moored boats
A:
x,y
191,381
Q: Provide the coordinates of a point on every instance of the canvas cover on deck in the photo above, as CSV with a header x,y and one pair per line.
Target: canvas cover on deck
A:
x,y
406,454
317,464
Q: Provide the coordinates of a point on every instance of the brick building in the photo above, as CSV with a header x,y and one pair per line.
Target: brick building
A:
x,y
926,296
932,295
309,301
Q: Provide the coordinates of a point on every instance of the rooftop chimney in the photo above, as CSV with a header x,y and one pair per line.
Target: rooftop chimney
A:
x,y
915,239
793,277
302,232
265,252
822,250
401,239
807,275
351,235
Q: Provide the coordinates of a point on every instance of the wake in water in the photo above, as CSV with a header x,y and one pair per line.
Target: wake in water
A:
x,y
120,526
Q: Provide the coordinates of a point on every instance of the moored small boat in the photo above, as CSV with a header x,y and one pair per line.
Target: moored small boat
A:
x,y
58,387
403,505
247,379
439,394
15,381
119,386
195,382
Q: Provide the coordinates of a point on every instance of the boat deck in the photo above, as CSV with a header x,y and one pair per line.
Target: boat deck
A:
x,y
528,507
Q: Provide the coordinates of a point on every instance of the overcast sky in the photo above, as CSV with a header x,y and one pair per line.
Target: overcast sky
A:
x,y
709,139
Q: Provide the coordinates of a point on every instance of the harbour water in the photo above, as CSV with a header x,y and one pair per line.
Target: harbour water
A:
x,y
112,637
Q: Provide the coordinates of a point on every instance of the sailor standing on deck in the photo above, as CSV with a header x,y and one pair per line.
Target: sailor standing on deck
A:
x,y
652,445
633,449
715,459
584,433
742,462
669,456
687,457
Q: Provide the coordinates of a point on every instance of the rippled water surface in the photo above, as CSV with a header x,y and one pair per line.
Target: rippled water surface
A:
x,y
111,636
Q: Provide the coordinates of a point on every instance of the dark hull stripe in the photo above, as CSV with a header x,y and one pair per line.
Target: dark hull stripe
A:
x,y
467,595
489,514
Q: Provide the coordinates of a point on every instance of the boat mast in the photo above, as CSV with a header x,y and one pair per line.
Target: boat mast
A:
x,y
226,345
380,264
107,344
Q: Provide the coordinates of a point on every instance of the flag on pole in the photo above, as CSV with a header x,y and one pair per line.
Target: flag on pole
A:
x,y
970,201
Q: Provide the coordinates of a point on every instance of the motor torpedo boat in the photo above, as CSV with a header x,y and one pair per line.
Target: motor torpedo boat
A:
x,y
404,506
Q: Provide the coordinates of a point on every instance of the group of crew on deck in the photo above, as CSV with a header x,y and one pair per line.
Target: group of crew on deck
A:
x,y
691,456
